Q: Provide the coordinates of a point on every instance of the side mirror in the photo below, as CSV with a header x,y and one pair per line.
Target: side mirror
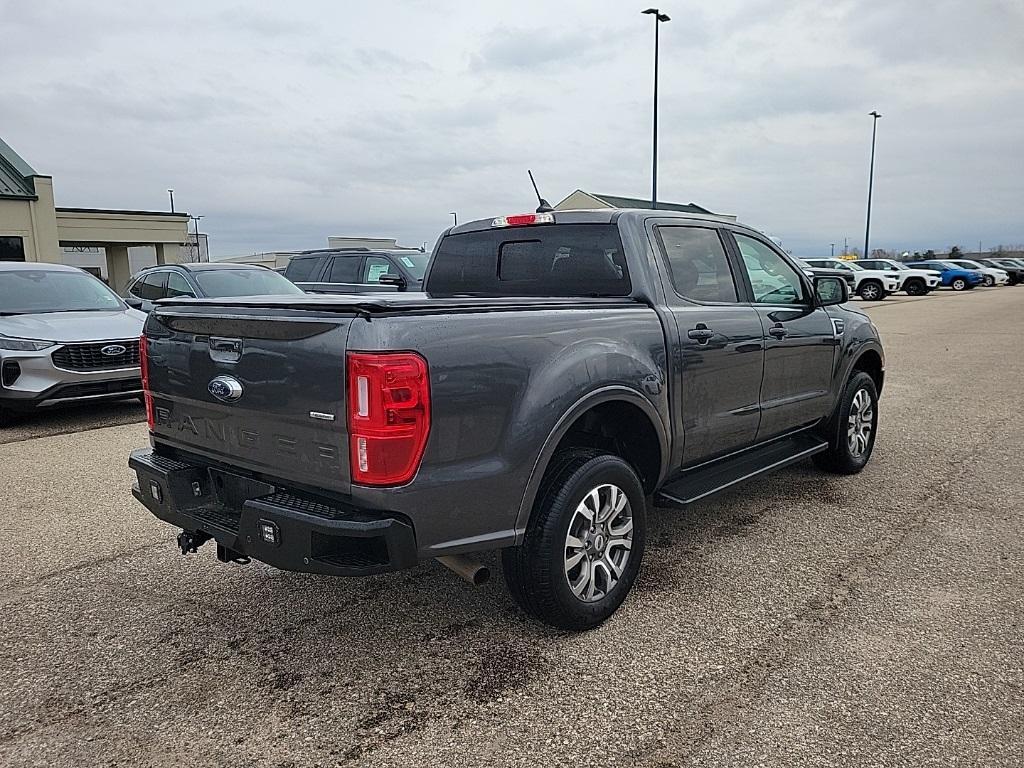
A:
x,y
829,291
392,279
134,302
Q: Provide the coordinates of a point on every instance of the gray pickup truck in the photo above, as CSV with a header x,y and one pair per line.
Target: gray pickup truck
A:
x,y
562,374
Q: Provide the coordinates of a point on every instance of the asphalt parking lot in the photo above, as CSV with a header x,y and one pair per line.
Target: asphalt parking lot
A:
x,y
805,620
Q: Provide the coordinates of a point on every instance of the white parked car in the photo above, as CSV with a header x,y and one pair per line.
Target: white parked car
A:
x,y
869,284
992,275
915,282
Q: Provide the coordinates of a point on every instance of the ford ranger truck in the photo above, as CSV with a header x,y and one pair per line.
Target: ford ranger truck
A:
x,y
561,375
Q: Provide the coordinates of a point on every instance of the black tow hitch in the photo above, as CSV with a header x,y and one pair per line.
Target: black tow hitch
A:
x,y
228,555
190,542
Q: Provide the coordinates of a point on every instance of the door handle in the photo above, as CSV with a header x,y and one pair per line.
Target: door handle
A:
x,y
701,334
778,331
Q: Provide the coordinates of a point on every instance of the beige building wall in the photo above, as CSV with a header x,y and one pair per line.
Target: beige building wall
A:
x,y
581,201
98,227
33,221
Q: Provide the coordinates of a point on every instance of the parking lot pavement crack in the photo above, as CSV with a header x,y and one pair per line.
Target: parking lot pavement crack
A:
x,y
20,591
725,707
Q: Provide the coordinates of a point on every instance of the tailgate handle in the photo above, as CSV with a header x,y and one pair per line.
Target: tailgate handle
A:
x,y
225,350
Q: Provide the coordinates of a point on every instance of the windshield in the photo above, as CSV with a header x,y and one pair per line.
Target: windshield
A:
x,y
897,264
854,267
224,283
31,291
415,264
969,264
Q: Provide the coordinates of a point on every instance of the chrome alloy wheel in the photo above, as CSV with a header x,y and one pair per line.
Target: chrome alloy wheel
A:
x,y
862,417
598,542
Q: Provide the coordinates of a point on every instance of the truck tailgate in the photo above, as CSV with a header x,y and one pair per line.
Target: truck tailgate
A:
x,y
263,390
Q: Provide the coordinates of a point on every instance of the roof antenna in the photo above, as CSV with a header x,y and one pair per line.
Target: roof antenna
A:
x,y
545,206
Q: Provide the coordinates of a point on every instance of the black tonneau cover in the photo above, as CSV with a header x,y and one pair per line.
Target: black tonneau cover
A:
x,y
390,303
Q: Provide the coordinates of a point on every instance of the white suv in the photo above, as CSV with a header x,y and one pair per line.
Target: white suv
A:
x,y
916,282
869,284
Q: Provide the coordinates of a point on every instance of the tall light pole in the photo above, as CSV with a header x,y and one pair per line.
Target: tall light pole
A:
x,y
456,217
171,193
871,181
659,18
833,250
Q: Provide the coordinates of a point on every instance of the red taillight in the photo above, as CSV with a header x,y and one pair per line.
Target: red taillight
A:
x,y
388,416
144,365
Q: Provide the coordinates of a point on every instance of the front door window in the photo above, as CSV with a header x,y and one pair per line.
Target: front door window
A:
x,y
772,279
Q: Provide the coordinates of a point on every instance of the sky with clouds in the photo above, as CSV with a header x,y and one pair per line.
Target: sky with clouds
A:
x,y
285,123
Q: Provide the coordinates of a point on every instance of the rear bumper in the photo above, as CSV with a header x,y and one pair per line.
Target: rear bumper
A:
x,y
254,519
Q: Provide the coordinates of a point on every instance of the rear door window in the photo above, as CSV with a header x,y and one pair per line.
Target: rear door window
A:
x,y
545,260
344,269
151,287
700,268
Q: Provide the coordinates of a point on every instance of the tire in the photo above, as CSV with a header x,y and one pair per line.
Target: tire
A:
x,y
6,417
841,458
989,281
959,284
871,290
539,572
915,287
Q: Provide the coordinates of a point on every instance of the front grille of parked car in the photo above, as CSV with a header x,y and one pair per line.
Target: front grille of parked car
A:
x,y
90,357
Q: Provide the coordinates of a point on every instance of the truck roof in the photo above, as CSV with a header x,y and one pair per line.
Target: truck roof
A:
x,y
604,216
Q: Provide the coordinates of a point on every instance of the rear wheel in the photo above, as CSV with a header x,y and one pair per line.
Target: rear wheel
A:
x,y
871,290
958,284
851,430
915,287
584,542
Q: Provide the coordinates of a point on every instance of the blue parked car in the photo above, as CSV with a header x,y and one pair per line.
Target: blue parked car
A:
x,y
953,276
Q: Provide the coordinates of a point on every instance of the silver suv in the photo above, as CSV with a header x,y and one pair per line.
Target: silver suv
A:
x,y
65,337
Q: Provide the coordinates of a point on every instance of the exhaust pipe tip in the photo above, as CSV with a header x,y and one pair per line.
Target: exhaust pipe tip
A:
x,y
475,573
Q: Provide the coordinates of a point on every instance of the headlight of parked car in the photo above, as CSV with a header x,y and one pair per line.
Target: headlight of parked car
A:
x,y
23,345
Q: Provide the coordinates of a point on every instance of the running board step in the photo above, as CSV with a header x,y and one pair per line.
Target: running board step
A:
x,y
716,476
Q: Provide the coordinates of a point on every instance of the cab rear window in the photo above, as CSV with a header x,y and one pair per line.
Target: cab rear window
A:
x,y
552,260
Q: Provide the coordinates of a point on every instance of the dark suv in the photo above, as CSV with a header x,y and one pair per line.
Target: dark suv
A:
x,y
208,280
358,270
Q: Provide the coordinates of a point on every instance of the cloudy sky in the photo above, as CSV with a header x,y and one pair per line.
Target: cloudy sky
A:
x,y
305,119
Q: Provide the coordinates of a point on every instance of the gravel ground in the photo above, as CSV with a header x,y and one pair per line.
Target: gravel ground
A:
x,y
805,620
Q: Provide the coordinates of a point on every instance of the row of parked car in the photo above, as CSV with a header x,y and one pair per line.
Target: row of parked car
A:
x,y
874,279
66,337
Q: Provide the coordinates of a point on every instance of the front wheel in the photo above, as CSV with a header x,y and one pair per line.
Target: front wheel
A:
x,y
584,542
871,290
989,281
915,287
851,430
958,284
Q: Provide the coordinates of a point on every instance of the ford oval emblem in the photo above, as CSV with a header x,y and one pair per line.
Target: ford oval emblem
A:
x,y
113,350
227,389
